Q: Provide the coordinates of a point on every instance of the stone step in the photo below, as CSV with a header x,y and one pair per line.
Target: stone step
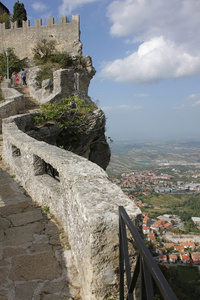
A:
x,y
30,102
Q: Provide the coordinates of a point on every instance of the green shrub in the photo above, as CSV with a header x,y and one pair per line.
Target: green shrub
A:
x,y
45,73
70,113
73,116
63,59
43,50
46,209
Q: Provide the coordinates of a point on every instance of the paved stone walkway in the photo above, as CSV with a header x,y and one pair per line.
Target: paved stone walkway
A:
x,y
35,262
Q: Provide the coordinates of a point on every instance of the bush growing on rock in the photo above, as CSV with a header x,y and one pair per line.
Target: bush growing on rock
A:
x,y
45,73
43,50
75,126
45,53
63,59
72,114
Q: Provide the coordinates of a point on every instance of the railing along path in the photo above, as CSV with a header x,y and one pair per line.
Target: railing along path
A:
x,y
146,269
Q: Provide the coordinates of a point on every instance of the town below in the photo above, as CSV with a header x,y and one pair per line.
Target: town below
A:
x,y
163,179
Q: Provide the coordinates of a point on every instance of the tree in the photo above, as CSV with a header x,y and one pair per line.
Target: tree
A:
x,y
5,18
19,13
15,64
44,49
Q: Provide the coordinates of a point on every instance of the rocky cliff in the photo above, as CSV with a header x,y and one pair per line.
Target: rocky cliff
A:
x,y
74,81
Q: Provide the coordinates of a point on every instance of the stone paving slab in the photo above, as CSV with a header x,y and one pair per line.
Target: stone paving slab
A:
x,y
35,262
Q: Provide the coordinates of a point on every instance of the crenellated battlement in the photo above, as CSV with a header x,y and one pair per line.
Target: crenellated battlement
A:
x,y
24,39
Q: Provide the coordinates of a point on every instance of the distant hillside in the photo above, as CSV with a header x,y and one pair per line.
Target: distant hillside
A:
x,y
128,156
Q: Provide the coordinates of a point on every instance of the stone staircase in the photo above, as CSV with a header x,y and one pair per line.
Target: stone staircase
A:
x,y
31,104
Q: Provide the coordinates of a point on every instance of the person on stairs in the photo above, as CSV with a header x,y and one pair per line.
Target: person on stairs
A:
x,y
23,75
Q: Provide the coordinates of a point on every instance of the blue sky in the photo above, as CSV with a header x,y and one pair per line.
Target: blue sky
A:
x,y
146,54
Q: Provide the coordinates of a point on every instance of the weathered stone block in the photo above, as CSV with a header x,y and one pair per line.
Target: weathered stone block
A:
x,y
26,217
25,234
32,267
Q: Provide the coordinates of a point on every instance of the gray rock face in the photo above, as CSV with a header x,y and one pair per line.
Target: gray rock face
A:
x,y
74,81
90,144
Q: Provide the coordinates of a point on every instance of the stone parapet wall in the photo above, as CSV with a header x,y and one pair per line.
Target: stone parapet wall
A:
x,y
24,39
14,103
81,198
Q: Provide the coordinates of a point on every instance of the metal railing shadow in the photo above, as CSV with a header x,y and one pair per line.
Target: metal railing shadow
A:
x,y
146,269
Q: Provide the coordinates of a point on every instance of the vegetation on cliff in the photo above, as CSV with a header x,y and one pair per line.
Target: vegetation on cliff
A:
x,y
70,112
45,73
72,115
46,56
76,126
45,53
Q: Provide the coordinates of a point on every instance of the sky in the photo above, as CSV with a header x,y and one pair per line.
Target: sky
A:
x,y
147,59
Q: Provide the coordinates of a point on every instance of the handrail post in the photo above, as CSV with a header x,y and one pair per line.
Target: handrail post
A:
x,y
146,267
121,263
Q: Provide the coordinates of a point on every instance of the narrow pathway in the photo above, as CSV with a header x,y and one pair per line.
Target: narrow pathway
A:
x,y
31,104
35,258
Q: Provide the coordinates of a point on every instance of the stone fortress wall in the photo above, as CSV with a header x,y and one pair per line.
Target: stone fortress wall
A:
x,y
83,200
24,39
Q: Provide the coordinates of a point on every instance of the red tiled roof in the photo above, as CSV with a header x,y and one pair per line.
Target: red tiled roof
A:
x,y
169,245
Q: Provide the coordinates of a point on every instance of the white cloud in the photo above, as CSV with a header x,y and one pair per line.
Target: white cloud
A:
x,y
39,6
177,20
69,5
142,95
155,60
180,107
107,108
194,97
169,37
196,104
129,107
122,106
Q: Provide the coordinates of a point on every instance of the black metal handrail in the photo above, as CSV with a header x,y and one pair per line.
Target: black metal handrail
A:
x,y
145,266
51,171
